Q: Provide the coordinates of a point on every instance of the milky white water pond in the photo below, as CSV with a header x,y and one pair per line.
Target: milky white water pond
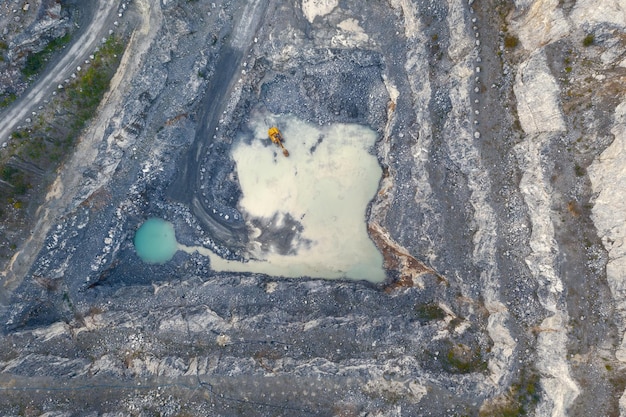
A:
x,y
306,212
317,198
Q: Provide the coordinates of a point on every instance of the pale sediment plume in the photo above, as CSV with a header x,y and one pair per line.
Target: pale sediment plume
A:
x,y
460,44
248,23
351,35
560,389
411,18
416,70
539,25
591,12
543,22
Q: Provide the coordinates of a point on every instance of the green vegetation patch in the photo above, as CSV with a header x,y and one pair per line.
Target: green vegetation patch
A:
x,y
76,105
463,359
36,61
588,40
49,141
521,398
6,99
85,93
34,153
16,179
579,171
510,41
428,312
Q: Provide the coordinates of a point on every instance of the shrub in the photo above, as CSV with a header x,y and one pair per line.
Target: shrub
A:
x,y
580,171
34,64
7,99
510,41
426,312
36,61
588,40
7,172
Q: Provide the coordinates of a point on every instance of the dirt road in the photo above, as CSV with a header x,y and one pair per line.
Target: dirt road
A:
x,y
186,188
67,185
91,36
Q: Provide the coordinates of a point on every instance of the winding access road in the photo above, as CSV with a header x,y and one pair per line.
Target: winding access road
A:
x,y
89,36
187,185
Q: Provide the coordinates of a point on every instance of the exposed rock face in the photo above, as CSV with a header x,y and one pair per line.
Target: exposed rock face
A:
x,y
607,175
314,8
537,96
500,216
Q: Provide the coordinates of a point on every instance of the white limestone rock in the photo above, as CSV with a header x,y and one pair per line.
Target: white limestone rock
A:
x,y
608,179
537,94
350,34
543,23
314,8
593,12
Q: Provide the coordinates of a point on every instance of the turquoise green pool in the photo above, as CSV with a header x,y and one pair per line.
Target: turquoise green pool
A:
x,y
155,241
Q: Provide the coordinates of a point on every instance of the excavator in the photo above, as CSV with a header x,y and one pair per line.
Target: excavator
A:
x,y
277,138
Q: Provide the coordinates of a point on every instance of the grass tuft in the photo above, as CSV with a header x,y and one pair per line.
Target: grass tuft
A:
x,y
35,62
510,41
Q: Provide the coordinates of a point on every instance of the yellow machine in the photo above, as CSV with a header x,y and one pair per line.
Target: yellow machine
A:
x,y
277,138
